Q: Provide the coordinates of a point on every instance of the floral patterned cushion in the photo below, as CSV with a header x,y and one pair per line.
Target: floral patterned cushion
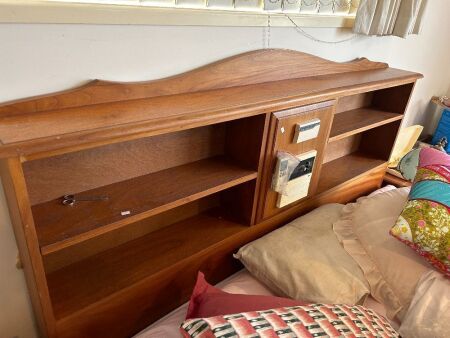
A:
x,y
315,320
424,224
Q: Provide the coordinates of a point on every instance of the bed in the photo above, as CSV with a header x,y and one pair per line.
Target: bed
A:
x,y
403,286
242,282
186,164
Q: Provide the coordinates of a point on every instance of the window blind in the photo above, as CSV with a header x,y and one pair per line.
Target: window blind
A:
x,y
311,7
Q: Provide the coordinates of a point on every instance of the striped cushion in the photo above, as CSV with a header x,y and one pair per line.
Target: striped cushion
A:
x,y
315,320
424,223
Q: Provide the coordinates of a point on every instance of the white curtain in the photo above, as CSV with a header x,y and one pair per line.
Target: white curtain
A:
x,y
389,17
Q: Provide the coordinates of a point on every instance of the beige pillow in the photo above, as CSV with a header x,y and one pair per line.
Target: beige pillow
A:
x,y
428,314
304,260
391,268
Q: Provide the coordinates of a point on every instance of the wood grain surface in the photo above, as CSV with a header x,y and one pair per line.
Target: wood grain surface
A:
x,y
259,66
191,158
283,131
93,168
346,168
59,226
71,129
358,120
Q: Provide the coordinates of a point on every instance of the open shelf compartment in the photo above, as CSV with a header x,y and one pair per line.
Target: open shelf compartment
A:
x,y
358,154
61,225
358,120
79,285
141,178
360,112
346,168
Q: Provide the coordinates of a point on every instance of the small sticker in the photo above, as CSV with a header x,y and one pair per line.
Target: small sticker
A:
x,y
124,213
282,130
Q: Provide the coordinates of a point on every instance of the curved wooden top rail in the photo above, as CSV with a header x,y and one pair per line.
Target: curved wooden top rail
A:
x,y
248,84
253,67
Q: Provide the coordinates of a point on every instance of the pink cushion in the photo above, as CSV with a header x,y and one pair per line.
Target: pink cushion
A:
x,y
209,301
431,156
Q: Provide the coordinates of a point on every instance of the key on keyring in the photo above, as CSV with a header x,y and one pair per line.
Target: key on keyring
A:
x,y
71,199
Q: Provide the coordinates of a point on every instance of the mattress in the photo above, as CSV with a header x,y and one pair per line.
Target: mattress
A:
x,y
241,283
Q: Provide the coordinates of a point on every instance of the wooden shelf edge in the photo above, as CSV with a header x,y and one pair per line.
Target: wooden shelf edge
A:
x,y
396,181
76,239
64,143
378,168
381,166
394,117
239,228
144,281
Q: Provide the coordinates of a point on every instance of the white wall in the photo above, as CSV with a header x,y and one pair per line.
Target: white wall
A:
x,y
37,59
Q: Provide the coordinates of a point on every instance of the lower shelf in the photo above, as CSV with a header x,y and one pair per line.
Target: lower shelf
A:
x,y
86,282
346,168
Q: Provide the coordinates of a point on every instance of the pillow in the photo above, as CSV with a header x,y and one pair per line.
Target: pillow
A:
x,y
427,316
382,190
391,268
209,301
315,320
169,326
424,224
304,260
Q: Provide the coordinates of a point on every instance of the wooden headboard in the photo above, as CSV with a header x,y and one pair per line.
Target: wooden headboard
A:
x,y
185,165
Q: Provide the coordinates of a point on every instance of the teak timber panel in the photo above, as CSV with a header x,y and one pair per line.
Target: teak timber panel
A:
x,y
266,65
355,101
23,225
59,226
342,147
83,283
252,85
358,120
89,169
72,254
346,168
34,132
283,141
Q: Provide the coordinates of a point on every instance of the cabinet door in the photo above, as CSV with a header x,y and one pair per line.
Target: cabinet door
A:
x,y
282,138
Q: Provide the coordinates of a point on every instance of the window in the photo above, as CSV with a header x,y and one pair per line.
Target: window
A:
x,y
306,13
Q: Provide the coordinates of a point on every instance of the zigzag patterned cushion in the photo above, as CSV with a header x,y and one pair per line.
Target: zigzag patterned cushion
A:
x,y
315,320
424,223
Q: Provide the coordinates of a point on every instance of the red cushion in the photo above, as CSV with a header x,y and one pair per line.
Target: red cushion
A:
x,y
209,301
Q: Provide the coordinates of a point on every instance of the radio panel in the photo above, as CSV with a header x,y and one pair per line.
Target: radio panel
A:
x,y
299,178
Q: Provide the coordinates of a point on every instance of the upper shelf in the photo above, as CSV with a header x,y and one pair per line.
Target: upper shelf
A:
x,y
358,120
59,226
101,112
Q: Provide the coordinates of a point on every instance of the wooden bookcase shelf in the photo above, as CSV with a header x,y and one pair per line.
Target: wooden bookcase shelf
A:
x,y
59,226
346,168
187,164
88,281
358,120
